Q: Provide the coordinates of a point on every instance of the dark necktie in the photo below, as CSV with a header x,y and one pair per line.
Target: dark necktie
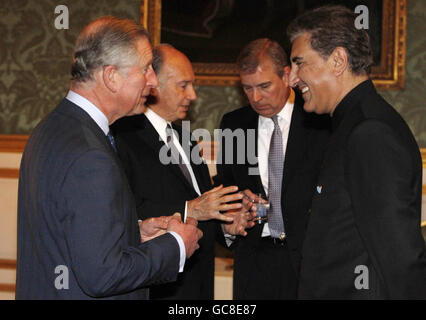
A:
x,y
176,154
275,177
111,141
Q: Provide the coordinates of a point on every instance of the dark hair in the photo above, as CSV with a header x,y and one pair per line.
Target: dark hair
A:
x,y
330,27
106,41
255,51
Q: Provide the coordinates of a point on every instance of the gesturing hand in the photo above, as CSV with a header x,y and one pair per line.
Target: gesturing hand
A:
x,y
242,220
209,204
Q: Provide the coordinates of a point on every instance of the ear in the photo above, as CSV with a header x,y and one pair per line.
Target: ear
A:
x,y
339,60
111,78
286,75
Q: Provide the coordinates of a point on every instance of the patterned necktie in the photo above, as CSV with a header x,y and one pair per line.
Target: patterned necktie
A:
x,y
111,141
176,154
275,177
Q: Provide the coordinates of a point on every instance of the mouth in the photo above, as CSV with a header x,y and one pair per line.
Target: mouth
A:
x,y
261,107
304,89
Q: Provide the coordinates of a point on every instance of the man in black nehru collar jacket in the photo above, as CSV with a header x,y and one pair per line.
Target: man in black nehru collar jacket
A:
x,y
363,239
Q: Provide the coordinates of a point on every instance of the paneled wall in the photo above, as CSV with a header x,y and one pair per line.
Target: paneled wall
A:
x,y
35,63
9,170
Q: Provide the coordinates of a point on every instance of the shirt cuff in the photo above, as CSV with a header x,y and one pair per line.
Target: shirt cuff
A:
x,y
184,214
181,248
229,238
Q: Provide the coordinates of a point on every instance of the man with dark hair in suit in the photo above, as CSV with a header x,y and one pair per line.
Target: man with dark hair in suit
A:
x,y
363,239
78,234
288,146
182,185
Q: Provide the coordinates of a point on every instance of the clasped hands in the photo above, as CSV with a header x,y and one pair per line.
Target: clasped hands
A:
x,y
190,234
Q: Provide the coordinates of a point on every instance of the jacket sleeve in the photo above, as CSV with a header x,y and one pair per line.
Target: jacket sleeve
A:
x,y
96,228
381,172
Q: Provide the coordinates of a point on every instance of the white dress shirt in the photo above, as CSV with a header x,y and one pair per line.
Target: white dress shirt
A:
x,y
160,126
265,130
102,121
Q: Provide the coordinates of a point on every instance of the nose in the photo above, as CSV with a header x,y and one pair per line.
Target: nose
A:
x,y
256,95
294,79
191,93
151,78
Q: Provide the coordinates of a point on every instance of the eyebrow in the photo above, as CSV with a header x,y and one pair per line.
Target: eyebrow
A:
x,y
257,85
185,82
296,59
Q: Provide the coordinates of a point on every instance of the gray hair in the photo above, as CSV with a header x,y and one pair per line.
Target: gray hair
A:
x,y
106,41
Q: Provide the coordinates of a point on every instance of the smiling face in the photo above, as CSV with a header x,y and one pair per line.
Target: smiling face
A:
x,y
176,88
138,81
266,91
313,76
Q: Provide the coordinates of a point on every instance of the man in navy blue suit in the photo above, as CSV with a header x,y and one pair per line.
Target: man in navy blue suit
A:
x,y
78,233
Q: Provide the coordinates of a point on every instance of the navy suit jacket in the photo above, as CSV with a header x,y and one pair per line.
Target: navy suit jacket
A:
x,y
76,210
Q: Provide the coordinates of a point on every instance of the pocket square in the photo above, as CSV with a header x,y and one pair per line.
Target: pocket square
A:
x,y
319,189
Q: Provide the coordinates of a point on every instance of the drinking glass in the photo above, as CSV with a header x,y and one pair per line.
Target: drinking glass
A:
x,y
262,207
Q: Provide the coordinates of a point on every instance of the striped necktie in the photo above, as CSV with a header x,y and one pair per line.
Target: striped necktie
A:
x,y
275,178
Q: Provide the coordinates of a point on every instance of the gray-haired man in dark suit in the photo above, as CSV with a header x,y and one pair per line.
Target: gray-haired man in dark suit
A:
x,y
78,234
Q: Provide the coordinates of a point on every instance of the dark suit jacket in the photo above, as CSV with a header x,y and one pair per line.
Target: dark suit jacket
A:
x,y
75,209
161,190
366,210
307,138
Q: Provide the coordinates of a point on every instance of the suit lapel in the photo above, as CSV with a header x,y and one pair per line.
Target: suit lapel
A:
x,y
152,138
253,123
72,110
202,181
149,135
295,144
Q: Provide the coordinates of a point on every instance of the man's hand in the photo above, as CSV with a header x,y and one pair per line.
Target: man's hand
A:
x,y
153,227
188,231
242,220
208,205
250,197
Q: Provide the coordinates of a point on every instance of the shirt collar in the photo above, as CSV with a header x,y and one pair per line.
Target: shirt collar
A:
x,y
284,114
97,115
157,122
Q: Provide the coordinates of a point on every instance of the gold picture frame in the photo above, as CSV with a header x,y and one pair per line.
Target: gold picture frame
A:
x,y
390,74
